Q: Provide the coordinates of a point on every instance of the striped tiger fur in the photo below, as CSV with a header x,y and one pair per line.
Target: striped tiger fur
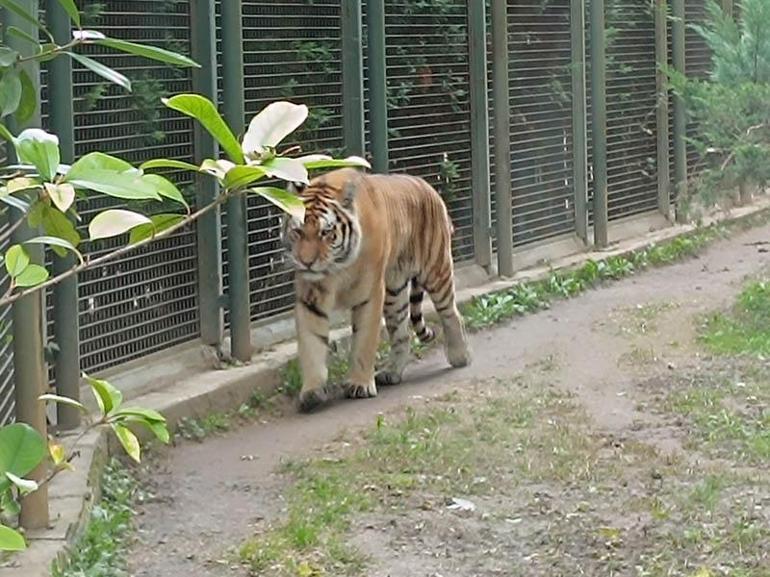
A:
x,y
371,244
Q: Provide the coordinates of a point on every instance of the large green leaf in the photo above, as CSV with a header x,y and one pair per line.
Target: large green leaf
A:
x,y
33,275
63,400
165,188
10,92
128,440
168,163
28,102
11,540
158,224
21,449
19,33
115,222
21,12
24,486
104,71
111,176
204,111
288,169
7,198
147,51
286,201
40,149
56,224
62,194
99,161
55,242
320,162
16,260
274,123
72,10
240,176
107,396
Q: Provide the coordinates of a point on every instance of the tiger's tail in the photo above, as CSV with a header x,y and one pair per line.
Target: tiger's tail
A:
x,y
423,332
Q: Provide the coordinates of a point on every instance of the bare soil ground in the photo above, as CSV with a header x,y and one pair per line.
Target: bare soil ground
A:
x,y
595,438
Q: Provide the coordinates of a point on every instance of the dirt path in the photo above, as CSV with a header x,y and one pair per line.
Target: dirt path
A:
x,y
596,346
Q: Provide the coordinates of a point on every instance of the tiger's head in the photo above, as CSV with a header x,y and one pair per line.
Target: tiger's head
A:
x,y
329,238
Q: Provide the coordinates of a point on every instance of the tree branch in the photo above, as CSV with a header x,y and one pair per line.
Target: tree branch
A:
x,y
8,299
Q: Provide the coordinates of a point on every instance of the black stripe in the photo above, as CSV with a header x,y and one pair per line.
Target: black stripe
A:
x,y
395,293
361,304
416,318
401,310
441,310
323,338
416,298
315,310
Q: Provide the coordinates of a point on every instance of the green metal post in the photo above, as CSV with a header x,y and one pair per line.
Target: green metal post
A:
x,y
480,181
502,131
599,122
209,226
378,84
237,247
729,7
352,77
661,57
579,118
680,113
28,362
65,294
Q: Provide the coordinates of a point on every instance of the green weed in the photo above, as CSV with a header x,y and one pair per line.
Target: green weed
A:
x,y
746,328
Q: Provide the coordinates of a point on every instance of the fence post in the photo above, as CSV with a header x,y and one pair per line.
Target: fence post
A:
x,y
599,122
480,185
502,132
378,84
661,58
352,77
728,6
65,294
209,226
680,113
579,118
237,247
28,362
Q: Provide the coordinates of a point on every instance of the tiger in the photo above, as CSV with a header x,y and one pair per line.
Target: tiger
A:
x,y
373,245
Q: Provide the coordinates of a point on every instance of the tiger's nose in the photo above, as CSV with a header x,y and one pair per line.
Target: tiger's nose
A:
x,y
306,264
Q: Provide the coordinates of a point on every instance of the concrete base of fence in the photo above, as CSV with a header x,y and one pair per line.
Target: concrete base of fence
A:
x,y
182,386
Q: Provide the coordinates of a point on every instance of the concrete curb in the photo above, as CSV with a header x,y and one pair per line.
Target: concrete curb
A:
x,y
72,494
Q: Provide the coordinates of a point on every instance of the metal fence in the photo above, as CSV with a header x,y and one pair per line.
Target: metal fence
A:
x,y
292,49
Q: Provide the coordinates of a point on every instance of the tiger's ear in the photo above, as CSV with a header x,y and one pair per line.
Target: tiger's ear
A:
x,y
349,191
296,187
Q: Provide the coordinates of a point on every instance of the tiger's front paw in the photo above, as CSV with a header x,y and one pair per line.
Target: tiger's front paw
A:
x,y
387,379
360,391
311,399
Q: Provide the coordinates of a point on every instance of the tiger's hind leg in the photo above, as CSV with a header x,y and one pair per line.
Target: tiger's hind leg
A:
x,y
441,289
396,312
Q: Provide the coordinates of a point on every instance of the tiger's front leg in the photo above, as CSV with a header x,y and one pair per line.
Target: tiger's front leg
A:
x,y
366,339
311,315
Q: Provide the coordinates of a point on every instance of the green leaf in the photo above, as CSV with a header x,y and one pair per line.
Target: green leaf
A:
x,y
21,13
204,111
319,161
274,123
56,242
10,92
8,504
11,540
63,400
107,396
240,176
16,260
165,188
6,134
8,57
62,195
10,200
168,163
286,201
57,225
24,486
33,275
40,149
22,449
115,222
128,440
288,169
160,222
19,33
147,51
149,415
28,98
104,71
111,176
153,420
72,11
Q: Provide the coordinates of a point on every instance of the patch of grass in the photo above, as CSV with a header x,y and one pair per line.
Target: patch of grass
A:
x,y
292,375
459,446
103,549
198,429
529,297
746,328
